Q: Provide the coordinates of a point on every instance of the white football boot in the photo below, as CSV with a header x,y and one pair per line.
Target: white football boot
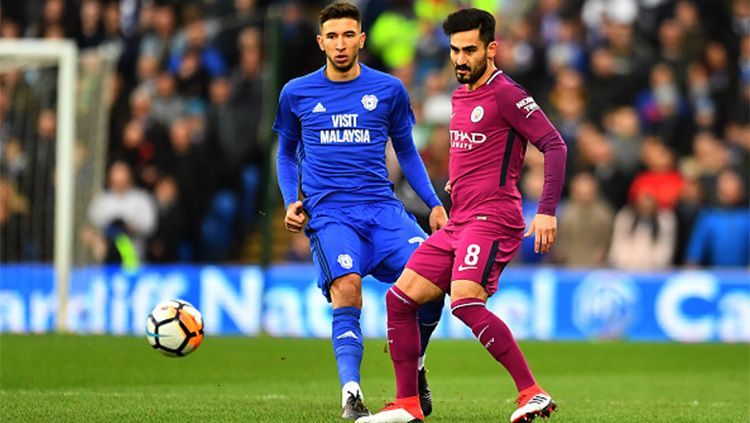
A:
x,y
403,410
533,402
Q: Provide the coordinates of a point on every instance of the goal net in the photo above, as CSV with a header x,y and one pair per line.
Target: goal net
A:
x,y
54,115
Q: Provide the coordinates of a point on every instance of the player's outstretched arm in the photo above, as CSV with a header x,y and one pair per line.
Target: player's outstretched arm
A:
x,y
544,229
438,218
295,217
414,171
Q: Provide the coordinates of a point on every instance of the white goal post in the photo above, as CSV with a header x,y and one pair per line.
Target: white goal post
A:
x,y
64,53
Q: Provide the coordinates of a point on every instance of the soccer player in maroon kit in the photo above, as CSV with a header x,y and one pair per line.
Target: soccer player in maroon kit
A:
x,y
493,118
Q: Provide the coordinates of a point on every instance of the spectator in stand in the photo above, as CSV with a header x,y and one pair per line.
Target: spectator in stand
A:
x,y
710,157
687,210
437,99
606,89
19,104
126,214
13,214
566,50
632,56
54,15
738,140
39,186
246,151
662,109
624,133
723,80
660,179
597,156
164,245
246,15
113,36
10,28
147,71
672,51
519,55
567,109
139,153
643,237
688,17
702,105
197,63
159,40
90,33
13,162
141,110
585,225
167,105
721,235
297,35
239,174
188,163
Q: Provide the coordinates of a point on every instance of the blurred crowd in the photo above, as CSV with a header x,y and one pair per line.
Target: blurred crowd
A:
x,y
652,98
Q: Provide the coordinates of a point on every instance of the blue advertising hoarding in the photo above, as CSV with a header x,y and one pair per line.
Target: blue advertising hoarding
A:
x,y
537,303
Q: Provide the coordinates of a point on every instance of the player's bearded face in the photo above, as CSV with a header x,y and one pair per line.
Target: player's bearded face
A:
x,y
470,56
468,74
341,40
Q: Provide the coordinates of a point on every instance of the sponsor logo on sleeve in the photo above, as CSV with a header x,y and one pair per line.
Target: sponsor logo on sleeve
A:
x,y
527,106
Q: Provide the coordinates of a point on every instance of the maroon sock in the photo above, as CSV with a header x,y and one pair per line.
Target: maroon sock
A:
x,y
494,334
403,340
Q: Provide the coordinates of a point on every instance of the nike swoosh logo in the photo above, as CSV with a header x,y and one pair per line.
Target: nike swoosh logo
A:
x,y
461,268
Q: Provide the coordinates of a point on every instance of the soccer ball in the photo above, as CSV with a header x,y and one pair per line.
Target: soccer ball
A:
x,y
174,328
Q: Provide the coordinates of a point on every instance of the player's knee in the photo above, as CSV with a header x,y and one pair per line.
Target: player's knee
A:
x,y
399,305
346,291
466,290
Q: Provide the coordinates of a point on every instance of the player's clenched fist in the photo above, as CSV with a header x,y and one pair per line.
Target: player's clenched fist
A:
x,y
295,217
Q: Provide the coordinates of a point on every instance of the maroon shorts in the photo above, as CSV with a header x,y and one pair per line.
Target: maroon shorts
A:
x,y
476,251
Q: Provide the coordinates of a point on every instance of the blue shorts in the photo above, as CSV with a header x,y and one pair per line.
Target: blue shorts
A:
x,y
372,239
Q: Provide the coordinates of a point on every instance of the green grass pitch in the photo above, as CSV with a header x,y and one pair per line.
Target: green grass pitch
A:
x,y
98,378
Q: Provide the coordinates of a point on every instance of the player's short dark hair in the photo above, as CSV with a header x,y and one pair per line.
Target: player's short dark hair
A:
x,y
339,10
468,19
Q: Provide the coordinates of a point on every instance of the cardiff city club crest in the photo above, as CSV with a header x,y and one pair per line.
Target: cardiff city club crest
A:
x,y
370,102
345,260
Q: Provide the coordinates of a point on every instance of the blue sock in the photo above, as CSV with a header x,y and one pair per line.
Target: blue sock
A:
x,y
347,343
429,316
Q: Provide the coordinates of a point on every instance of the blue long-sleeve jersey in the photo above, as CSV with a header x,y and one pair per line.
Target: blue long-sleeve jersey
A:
x,y
332,137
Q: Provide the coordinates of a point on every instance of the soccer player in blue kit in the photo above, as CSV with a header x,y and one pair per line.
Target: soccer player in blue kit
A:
x,y
333,126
